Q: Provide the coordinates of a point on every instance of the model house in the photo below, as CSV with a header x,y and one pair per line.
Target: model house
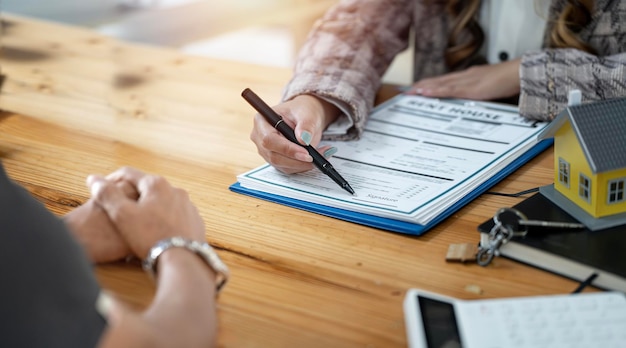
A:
x,y
590,162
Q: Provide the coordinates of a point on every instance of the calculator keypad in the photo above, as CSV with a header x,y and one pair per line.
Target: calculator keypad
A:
x,y
583,320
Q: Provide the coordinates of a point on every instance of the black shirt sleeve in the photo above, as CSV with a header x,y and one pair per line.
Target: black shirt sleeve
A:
x,y
48,290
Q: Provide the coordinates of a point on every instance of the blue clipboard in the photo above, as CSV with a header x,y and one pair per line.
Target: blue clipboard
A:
x,y
391,224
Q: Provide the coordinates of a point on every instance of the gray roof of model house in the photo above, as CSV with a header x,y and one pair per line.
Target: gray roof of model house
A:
x,y
601,131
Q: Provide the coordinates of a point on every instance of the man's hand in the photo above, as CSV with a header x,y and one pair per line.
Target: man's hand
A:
x,y
158,211
91,226
93,229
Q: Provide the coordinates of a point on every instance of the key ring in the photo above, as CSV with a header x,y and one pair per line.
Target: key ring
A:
x,y
502,231
511,218
509,223
498,235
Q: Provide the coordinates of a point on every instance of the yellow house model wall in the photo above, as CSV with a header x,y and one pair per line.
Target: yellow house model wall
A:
x,y
604,208
567,147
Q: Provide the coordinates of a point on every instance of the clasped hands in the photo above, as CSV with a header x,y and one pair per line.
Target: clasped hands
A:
x,y
130,211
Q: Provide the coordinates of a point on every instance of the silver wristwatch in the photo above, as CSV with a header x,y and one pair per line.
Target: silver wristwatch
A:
x,y
204,250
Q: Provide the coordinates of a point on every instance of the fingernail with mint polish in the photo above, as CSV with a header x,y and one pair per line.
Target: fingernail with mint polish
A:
x,y
328,153
306,137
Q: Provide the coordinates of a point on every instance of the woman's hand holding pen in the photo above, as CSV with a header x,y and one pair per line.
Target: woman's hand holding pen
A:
x,y
308,116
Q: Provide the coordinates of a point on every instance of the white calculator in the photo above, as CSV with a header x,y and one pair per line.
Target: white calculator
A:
x,y
576,320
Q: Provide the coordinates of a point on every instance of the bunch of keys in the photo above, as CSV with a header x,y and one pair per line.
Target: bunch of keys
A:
x,y
509,223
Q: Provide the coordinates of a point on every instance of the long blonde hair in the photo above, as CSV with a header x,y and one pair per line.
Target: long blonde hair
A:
x,y
467,36
575,16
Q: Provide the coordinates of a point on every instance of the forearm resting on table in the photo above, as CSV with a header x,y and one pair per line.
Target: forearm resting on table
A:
x,y
182,313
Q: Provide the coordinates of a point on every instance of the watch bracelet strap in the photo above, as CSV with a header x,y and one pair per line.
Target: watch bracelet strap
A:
x,y
202,249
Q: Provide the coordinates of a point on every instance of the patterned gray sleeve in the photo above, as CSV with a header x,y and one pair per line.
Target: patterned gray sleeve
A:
x,y
347,53
549,75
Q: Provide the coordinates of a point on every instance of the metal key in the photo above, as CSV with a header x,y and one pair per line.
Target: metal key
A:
x,y
509,223
519,223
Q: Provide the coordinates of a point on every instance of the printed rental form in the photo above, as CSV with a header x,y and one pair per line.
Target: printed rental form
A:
x,y
416,158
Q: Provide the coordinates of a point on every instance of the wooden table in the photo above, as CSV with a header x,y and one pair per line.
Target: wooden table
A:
x,y
78,103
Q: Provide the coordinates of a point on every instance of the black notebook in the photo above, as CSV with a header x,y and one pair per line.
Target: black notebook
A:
x,y
574,253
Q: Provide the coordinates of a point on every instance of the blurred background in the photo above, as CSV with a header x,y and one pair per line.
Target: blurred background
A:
x,y
225,29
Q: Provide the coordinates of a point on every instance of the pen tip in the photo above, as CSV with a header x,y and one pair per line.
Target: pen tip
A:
x,y
349,189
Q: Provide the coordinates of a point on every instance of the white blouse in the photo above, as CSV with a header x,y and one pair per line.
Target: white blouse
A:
x,y
512,27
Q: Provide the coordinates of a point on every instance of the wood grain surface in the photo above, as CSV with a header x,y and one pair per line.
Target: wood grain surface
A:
x,y
77,103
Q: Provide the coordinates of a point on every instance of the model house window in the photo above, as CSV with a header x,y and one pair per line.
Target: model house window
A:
x,y
584,187
564,172
616,190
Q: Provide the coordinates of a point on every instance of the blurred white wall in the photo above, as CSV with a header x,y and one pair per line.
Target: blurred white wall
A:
x,y
81,12
215,28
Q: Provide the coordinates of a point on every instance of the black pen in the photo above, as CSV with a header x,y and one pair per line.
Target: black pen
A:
x,y
277,121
